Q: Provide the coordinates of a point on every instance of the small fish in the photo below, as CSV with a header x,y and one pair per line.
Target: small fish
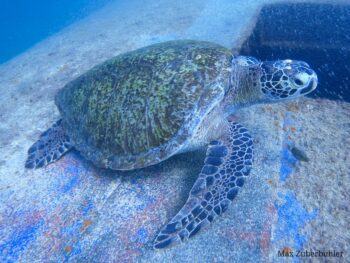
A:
x,y
299,154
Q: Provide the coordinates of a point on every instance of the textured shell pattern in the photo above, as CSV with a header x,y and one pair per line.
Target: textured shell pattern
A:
x,y
141,107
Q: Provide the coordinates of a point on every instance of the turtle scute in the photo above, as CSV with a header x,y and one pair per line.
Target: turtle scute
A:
x,y
140,107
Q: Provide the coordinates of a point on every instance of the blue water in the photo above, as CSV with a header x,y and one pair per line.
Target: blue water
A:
x,y
24,23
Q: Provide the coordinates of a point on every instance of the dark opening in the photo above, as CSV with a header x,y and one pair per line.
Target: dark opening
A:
x,y
316,33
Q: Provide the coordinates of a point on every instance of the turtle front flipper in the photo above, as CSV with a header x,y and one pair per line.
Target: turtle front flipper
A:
x,y
227,163
51,145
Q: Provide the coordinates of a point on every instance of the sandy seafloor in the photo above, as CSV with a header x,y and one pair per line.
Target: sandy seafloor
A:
x,y
72,211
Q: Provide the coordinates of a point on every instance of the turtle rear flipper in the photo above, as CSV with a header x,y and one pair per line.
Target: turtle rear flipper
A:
x,y
51,145
227,163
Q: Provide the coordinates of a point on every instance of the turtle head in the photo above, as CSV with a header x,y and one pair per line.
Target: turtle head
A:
x,y
253,81
286,79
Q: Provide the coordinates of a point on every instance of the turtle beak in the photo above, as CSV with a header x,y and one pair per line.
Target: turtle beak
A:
x,y
312,84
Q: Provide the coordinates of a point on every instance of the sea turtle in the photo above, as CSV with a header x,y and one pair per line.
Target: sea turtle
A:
x,y
142,107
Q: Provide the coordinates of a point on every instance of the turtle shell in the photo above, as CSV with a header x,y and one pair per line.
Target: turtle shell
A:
x,y
142,107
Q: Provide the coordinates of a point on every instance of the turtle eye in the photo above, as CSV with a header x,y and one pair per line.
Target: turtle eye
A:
x,y
298,82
